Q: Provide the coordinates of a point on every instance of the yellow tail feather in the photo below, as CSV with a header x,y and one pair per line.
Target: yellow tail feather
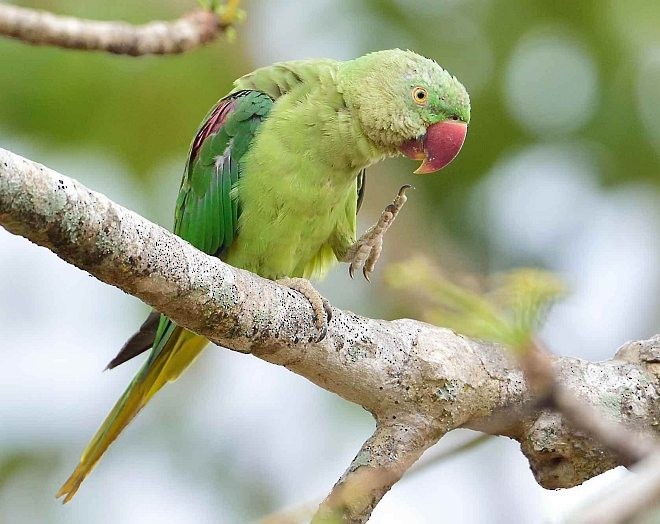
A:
x,y
179,352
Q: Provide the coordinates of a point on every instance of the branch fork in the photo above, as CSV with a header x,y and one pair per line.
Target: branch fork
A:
x,y
419,381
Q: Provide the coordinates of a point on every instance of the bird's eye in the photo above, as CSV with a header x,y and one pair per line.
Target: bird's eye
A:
x,y
420,95
454,117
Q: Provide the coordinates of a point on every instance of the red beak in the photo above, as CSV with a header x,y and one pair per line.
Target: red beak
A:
x,y
438,147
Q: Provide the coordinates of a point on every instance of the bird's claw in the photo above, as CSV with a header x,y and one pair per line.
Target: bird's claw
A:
x,y
321,307
366,251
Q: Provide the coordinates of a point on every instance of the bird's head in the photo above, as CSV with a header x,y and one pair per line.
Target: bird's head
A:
x,y
408,104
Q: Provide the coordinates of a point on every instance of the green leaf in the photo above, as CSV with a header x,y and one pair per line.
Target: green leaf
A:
x,y
511,313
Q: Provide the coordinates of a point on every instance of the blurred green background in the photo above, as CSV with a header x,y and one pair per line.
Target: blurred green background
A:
x,y
561,170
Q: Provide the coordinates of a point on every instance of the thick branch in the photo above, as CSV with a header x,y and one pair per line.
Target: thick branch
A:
x,y
416,379
155,38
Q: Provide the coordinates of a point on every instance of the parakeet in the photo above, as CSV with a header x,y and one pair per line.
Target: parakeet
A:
x,y
274,180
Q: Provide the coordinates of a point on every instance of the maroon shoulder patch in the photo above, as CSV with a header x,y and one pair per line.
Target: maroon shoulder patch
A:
x,y
214,122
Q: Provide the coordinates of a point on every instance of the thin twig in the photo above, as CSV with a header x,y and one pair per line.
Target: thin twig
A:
x,y
445,454
629,446
154,38
633,497
628,500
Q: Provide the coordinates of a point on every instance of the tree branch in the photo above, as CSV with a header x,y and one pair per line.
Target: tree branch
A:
x,y
419,381
154,38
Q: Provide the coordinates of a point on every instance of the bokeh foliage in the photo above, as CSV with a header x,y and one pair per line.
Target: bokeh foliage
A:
x,y
143,112
475,40
510,310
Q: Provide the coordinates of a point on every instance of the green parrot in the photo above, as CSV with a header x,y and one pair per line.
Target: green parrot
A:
x,y
274,180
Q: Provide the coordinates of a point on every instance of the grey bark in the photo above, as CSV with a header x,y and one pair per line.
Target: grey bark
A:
x,y
419,381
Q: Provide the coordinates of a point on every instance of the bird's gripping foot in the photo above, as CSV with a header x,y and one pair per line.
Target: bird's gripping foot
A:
x,y
365,252
320,306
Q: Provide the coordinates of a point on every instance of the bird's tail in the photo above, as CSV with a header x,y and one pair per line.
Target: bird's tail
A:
x,y
167,361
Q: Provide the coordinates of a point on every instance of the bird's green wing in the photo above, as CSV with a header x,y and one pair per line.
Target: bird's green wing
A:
x,y
206,215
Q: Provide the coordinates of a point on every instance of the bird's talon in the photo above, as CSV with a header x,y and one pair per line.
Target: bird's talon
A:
x,y
320,306
328,310
366,251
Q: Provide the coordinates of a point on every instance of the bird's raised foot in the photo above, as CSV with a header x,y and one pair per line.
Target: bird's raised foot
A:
x,y
366,251
320,305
